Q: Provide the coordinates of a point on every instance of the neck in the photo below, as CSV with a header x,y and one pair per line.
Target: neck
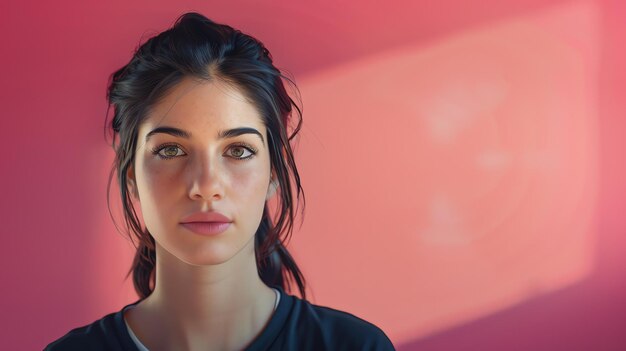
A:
x,y
224,305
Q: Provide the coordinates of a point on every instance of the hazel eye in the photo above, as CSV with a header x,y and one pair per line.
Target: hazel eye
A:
x,y
169,151
241,152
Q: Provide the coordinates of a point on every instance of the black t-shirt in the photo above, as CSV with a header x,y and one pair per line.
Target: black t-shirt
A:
x,y
295,325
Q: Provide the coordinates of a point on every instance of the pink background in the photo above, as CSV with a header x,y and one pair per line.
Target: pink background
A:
x,y
463,164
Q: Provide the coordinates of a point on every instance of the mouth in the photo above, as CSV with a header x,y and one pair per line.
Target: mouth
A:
x,y
210,216
206,228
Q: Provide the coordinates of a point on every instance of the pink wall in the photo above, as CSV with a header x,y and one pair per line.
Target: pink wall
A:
x,y
463,165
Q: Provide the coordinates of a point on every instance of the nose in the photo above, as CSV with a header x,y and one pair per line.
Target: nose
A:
x,y
206,179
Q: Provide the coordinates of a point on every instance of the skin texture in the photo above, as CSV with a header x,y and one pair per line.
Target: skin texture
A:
x,y
208,295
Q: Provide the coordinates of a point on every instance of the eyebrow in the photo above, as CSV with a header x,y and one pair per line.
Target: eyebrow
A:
x,y
222,134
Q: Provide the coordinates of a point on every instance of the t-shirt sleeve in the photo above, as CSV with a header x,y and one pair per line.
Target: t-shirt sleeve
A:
x,y
74,341
366,336
100,335
378,341
349,332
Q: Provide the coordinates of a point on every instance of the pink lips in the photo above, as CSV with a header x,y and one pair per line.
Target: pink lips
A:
x,y
206,223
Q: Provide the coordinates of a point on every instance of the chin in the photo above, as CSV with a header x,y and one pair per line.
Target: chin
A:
x,y
211,254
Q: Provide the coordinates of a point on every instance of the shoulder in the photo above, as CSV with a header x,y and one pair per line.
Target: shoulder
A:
x,y
339,329
102,334
81,338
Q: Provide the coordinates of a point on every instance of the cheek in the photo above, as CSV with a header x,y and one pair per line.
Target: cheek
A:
x,y
250,183
157,181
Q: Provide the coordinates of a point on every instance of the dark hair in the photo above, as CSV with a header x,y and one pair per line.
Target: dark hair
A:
x,y
198,47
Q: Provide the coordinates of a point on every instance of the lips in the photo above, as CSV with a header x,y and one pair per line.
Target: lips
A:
x,y
206,223
211,216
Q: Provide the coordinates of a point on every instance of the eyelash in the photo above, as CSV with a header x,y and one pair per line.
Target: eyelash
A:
x,y
156,151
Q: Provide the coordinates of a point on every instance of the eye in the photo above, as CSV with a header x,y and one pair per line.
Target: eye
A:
x,y
241,152
168,151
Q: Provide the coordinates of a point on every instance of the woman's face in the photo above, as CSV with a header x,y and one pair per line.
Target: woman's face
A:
x,y
202,148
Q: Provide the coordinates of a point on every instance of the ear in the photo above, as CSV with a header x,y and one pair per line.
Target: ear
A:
x,y
271,190
131,182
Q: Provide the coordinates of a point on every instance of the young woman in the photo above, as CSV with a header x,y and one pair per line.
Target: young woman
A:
x,y
201,119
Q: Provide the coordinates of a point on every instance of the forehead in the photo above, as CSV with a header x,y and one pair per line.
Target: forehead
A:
x,y
202,107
